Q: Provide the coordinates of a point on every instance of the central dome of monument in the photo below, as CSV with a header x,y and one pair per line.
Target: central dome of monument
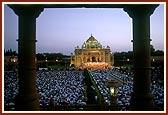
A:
x,y
91,39
91,43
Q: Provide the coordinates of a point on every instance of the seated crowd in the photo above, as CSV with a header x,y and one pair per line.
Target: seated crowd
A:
x,y
68,88
125,90
64,87
101,77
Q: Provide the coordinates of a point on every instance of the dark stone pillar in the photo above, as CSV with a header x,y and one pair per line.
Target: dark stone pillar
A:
x,y
141,99
27,99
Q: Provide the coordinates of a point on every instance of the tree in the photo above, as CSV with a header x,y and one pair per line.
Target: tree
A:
x,y
152,50
10,52
158,53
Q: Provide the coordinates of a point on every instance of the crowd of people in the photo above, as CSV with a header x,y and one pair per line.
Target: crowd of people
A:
x,y
157,87
101,77
125,89
68,88
64,87
10,89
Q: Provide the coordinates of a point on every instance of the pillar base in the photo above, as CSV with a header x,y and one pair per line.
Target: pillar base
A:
x,y
113,103
27,102
142,102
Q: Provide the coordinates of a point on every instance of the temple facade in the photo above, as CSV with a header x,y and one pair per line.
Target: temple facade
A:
x,y
92,55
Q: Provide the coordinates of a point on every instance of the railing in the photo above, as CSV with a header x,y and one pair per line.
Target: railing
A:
x,y
89,77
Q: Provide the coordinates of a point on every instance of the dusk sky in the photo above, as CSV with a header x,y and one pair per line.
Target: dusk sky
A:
x,y
60,30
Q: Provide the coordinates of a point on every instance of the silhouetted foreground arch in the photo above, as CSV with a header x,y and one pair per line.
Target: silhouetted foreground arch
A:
x,y
27,98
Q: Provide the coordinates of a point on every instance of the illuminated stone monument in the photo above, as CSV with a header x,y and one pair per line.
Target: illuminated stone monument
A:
x,y
92,55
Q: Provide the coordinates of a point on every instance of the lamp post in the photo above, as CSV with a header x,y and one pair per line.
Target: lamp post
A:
x,y
113,88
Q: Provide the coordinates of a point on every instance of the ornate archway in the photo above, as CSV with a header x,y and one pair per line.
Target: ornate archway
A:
x,y
93,59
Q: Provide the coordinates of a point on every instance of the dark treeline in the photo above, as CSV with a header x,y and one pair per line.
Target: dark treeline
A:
x,y
40,56
50,56
52,60
123,55
10,52
156,52
126,58
54,56
129,54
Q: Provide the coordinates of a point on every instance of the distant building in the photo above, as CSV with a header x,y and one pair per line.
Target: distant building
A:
x,y
92,55
10,63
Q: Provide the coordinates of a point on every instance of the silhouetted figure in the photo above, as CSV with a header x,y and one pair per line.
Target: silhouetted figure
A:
x,y
51,106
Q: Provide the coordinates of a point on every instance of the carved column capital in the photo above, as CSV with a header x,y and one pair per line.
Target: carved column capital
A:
x,y
139,10
27,10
